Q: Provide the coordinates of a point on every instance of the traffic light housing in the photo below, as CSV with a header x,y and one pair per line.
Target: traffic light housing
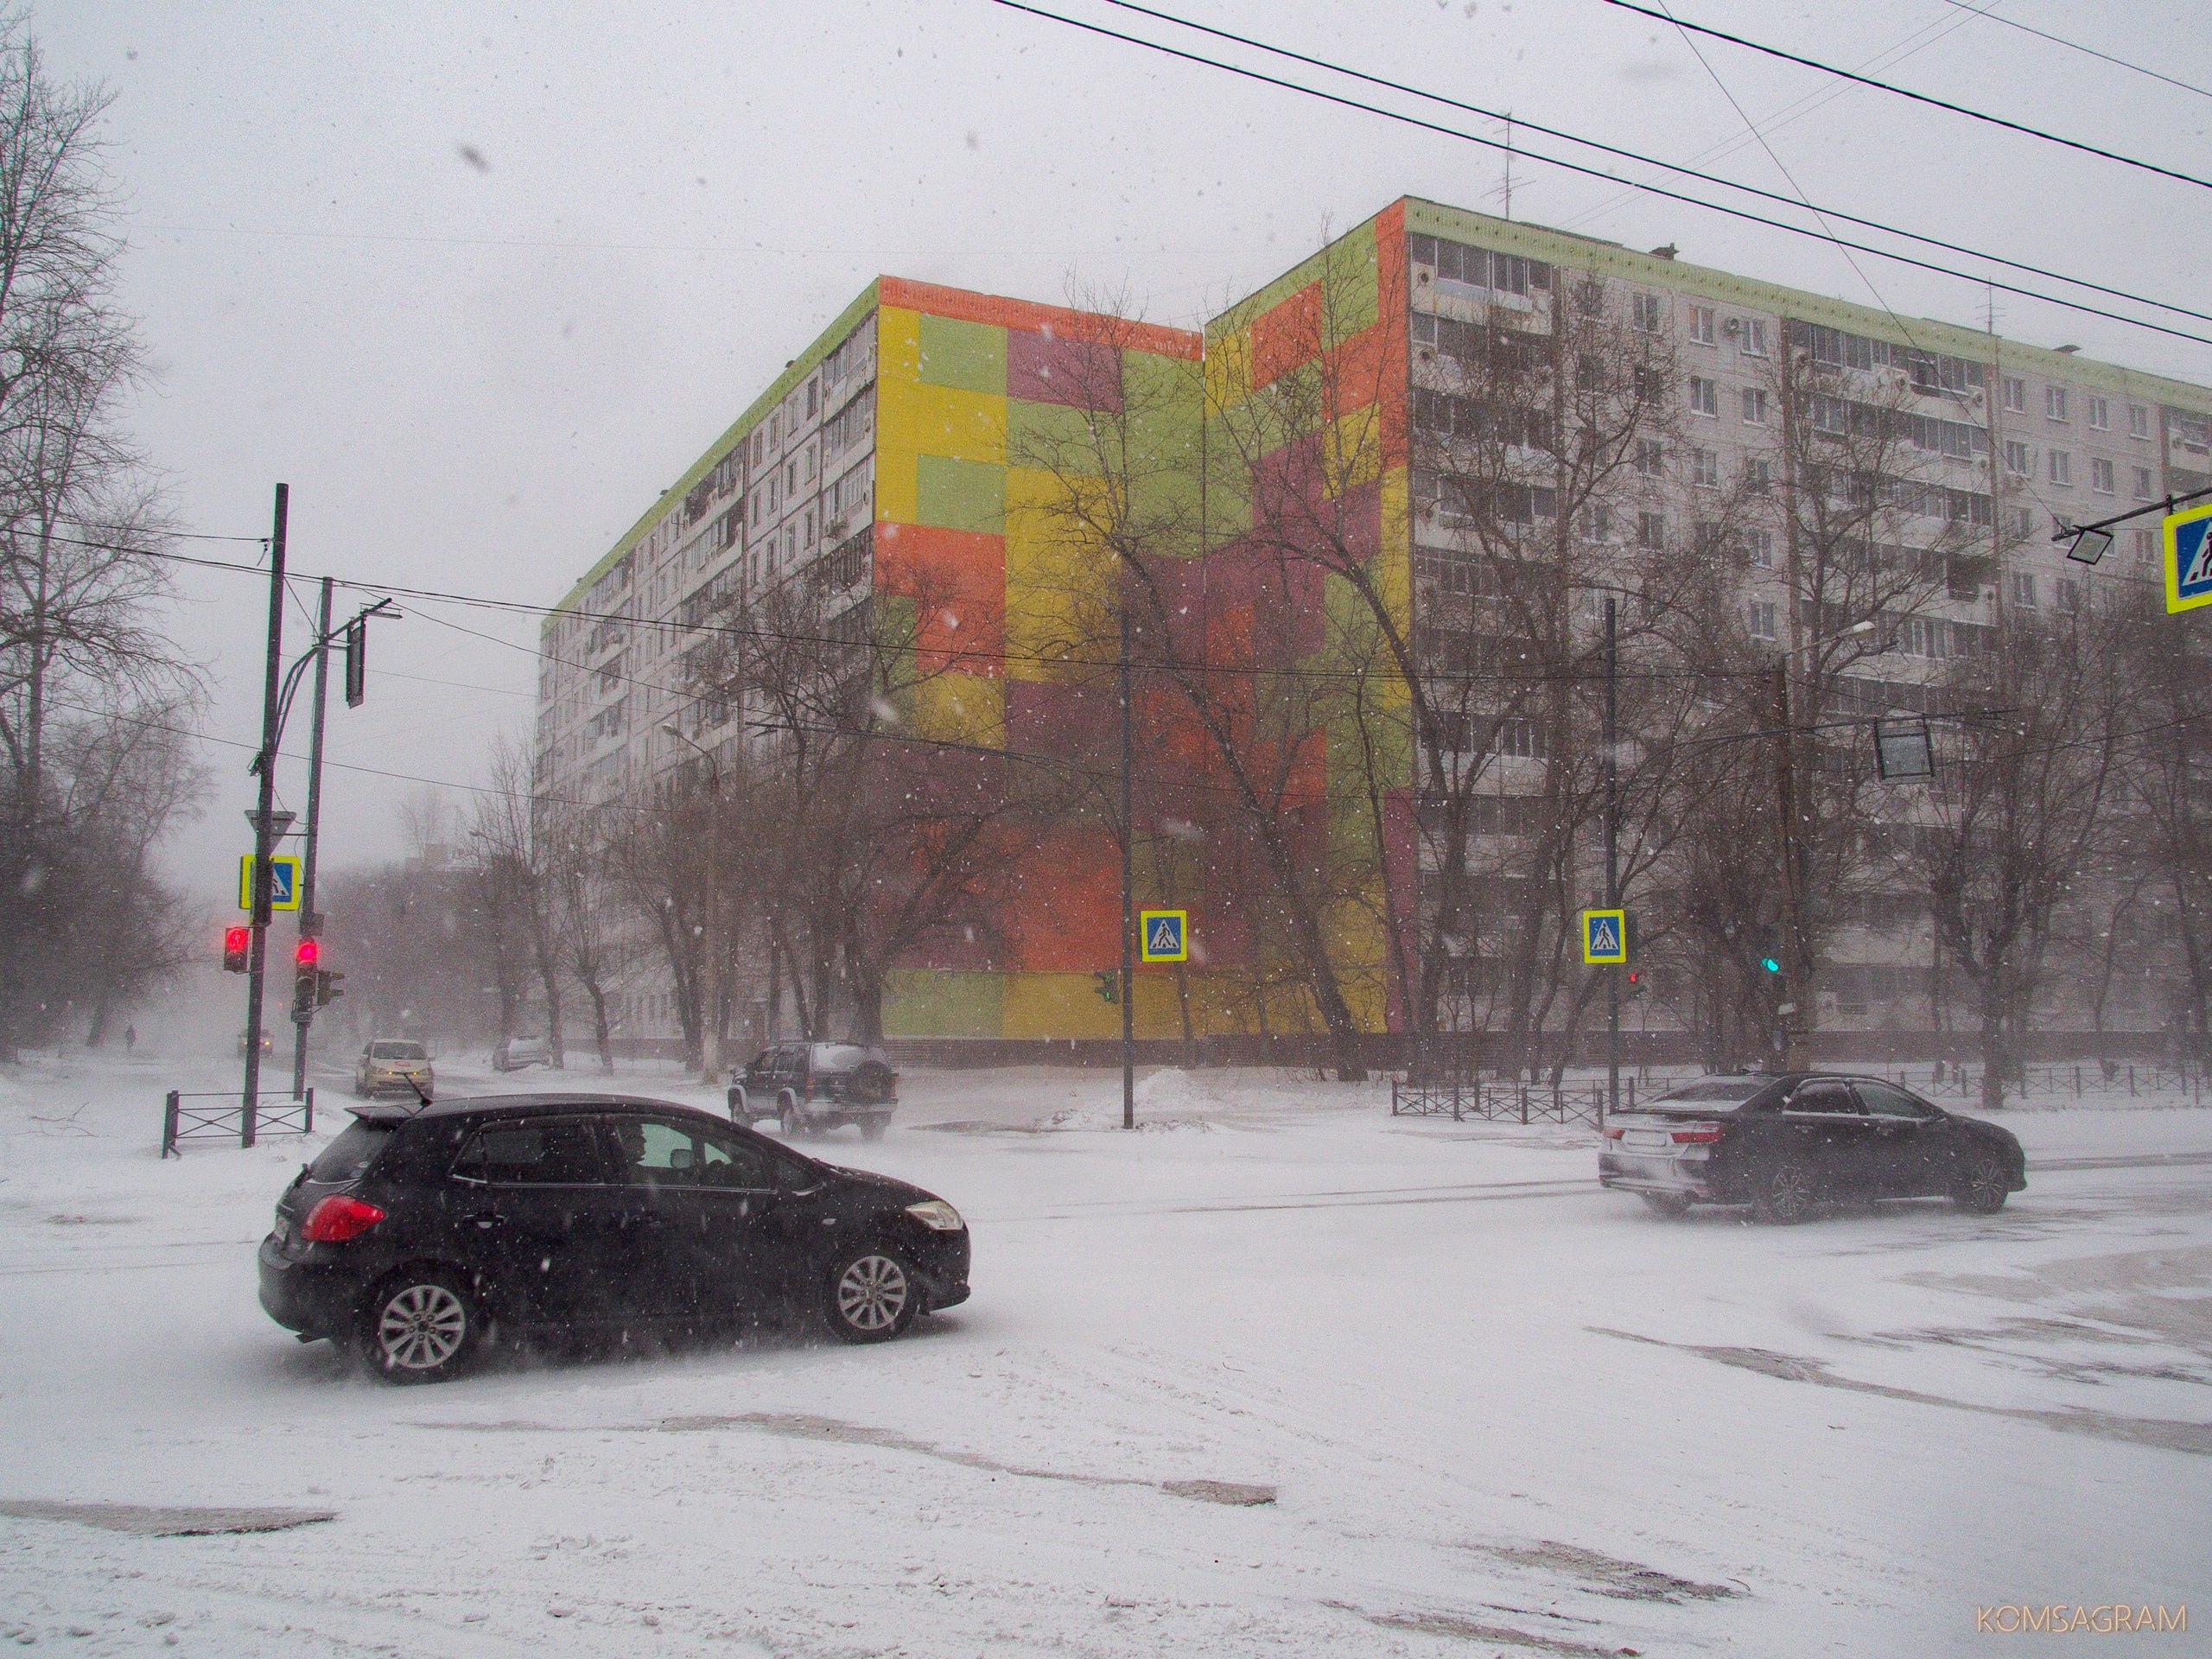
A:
x,y
305,954
1635,983
1109,984
357,662
237,945
326,986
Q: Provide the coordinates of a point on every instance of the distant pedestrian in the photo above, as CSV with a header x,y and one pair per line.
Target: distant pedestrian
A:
x,y
129,1038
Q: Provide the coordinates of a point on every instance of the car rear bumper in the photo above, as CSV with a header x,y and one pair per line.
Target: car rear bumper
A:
x,y
302,1296
1644,1172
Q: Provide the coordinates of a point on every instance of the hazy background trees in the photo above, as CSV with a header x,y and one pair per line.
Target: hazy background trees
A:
x,y
96,703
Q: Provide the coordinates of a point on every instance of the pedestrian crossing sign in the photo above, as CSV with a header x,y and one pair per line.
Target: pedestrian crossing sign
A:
x,y
1164,935
283,881
1605,937
2187,536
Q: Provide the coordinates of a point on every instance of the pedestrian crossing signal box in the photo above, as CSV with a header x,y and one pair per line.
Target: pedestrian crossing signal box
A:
x,y
2187,536
1164,935
1605,937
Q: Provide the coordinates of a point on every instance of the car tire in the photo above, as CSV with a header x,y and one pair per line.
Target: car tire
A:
x,y
788,1119
872,1294
1673,1205
872,1128
1984,1189
420,1326
1785,1193
740,1107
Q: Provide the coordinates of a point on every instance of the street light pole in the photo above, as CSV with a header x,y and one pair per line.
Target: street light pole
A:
x,y
310,920
265,762
1129,885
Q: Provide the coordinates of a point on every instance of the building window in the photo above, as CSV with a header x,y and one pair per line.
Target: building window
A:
x,y
2024,589
1650,529
2061,467
1759,616
1705,468
1758,479
1598,522
1754,336
1705,396
2147,546
2101,476
2018,461
1924,636
2054,403
1650,457
2142,487
2138,421
1701,324
1758,547
1646,312
2015,394
2023,520
1754,406
1521,738
2066,593
2099,413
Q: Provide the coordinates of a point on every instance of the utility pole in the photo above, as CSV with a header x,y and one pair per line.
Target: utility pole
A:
x,y
1796,983
310,918
1128,883
265,762
1612,860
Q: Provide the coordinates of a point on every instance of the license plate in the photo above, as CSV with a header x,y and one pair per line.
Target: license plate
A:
x,y
1646,1139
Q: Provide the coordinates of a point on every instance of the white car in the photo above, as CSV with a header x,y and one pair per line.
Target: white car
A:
x,y
393,1066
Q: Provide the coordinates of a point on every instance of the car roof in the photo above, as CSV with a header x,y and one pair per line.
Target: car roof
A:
x,y
517,1106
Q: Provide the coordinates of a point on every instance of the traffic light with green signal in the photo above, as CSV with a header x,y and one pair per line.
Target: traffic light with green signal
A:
x,y
1109,984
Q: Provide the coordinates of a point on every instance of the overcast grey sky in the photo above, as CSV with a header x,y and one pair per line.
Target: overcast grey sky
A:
x,y
478,281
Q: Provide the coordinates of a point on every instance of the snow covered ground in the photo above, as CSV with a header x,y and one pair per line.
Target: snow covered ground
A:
x,y
1500,1410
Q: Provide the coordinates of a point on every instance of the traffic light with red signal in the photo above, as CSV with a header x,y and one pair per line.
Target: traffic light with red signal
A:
x,y
238,944
305,954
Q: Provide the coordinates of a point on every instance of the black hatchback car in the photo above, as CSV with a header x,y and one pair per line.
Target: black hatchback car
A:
x,y
1786,1145
418,1233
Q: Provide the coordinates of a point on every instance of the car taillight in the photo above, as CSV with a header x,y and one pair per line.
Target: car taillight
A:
x,y
1612,1134
1690,1134
338,1218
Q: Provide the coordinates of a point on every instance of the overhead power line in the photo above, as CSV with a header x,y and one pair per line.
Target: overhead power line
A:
x,y
1423,124
1525,124
1989,14
1906,92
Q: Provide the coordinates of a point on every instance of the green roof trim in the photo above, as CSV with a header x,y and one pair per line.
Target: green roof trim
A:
x,y
1926,333
800,367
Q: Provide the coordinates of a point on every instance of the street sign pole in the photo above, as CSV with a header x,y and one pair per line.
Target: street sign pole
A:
x,y
1612,866
1128,884
266,763
310,919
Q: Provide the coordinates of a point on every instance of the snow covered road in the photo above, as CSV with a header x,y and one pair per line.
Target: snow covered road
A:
x,y
1499,1410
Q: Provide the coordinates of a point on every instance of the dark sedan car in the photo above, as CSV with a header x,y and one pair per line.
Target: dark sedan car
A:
x,y
419,1232
1785,1145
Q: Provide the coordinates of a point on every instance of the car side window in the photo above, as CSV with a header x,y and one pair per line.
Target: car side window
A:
x,y
1885,1100
539,1152
663,1152
1830,1099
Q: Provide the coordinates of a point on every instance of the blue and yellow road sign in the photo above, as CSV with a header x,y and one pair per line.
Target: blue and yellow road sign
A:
x,y
1605,937
283,881
2188,538
1164,935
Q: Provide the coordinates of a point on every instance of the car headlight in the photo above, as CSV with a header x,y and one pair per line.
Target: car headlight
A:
x,y
937,1215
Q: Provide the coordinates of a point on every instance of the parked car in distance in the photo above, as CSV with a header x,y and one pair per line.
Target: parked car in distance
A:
x,y
394,1065
1785,1145
811,1087
266,1045
417,1235
514,1053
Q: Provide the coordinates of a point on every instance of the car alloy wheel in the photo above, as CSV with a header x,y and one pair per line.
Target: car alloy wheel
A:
x,y
1786,1196
871,1296
421,1328
1986,1189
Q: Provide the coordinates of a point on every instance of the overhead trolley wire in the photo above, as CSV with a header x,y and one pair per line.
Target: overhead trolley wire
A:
x,y
1422,125
1775,196
1906,92
1989,14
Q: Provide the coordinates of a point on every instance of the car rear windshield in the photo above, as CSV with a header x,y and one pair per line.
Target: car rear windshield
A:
x,y
345,1159
396,1051
840,1055
1715,1092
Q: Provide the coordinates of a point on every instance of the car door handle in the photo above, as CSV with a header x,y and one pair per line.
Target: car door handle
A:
x,y
487,1219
